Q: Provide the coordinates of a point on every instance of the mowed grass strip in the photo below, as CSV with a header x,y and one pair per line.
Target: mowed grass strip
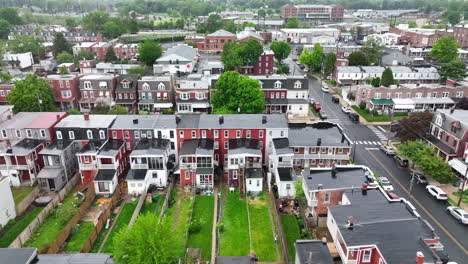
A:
x,y
234,240
17,226
19,193
292,233
79,238
203,215
121,222
263,242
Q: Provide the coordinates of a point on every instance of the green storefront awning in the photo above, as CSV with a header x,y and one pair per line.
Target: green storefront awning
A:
x,y
382,101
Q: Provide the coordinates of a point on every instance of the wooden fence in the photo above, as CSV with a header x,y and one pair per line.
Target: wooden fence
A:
x,y
55,246
282,236
102,219
24,205
166,201
141,201
28,231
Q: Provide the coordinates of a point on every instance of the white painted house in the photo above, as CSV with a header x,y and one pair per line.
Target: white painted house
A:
x,y
7,203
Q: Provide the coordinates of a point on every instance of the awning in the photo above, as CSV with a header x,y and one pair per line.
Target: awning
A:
x,y
403,107
403,104
382,101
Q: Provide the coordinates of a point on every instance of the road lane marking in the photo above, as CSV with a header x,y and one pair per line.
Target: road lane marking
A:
x,y
360,142
372,148
421,206
383,130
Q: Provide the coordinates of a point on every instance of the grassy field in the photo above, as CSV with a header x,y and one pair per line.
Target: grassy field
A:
x,y
121,222
292,233
154,207
102,234
261,229
19,193
180,215
370,118
234,240
79,238
48,231
13,229
202,214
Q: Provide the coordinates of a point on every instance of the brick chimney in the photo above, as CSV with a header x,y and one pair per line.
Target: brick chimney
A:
x,y
221,119
419,258
86,116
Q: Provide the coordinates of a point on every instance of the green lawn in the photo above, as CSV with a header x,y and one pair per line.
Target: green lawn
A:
x,y
79,238
261,229
100,238
180,220
234,240
19,193
292,233
202,214
151,207
370,118
15,227
464,198
48,231
121,222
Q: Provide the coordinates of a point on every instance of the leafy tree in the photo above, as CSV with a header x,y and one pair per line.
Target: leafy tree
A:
x,y
250,51
23,43
375,82
149,51
5,77
231,27
261,13
33,94
317,55
5,28
133,26
292,22
280,49
112,30
299,190
453,17
414,127
455,70
73,111
213,23
110,55
329,64
10,15
61,44
70,22
283,69
118,110
411,24
147,241
237,93
387,77
141,70
95,21
373,48
192,43
63,70
85,55
306,58
445,49
230,57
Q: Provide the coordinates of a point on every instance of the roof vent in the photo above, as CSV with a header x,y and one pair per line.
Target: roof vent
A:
x,y
135,120
177,119
324,240
320,186
264,119
364,189
350,224
58,117
333,172
319,141
86,117
221,119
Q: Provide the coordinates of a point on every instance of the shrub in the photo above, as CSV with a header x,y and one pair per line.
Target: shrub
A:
x,y
168,111
362,105
220,226
351,97
374,112
400,113
283,69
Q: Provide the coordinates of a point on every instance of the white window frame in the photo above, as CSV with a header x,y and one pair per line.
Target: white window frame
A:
x,y
102,134
43,133
71,134
28,133
89,134
58,134
366,258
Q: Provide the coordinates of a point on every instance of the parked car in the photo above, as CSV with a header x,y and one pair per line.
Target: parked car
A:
x,y
386,185
346,110
389,150
325,89
402,161
323,115
394,125
317,106
354,116
393,195
459,214
419,178
294,59
335,99
437,192
312,100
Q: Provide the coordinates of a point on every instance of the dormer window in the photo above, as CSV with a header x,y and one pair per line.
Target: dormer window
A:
x,y
439,120
87,85
103,85
298,85
261,84
161,86
125,84
146,86
278,84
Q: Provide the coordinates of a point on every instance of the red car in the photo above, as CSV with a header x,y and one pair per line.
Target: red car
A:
x,y
294,59
317,106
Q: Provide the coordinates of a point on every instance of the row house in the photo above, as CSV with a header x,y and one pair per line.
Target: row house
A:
x,y
248,34
176,60
60,164
424,53
245,165
318,250
133,128
342,51
354,75
31,125
196,162
126,51
281,174
112,164
150,162
126,91
84,128
448,133
65,88
49,35
324,187
8,206
214,42
424,97
417,37
272,24
97,89
460,33
5,89
108,67
386,39
305,35
156,93
193,96
393,233
99,49
21,162
264,66
87,66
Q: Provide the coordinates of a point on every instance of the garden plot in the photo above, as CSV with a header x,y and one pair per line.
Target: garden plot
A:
x,y
17,225
200,233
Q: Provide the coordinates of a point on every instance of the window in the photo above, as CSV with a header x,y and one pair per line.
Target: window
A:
x,y
143,96
184,96
43,133
238,133
149,135
226,145
103,187
71,135
327,197
216,145
459,95
439,120
298,84
59,134
187,175
389,96
2,93
226,133
194,134
18,133
66,94
296,150
216,133
114,134
418,95
377,95
398,95
200,95
181,134
367,255
150,95
434,94
234,175
28,133
87,85
89,133
161,86
103,85
282,133
203,133
248,133
277,84
145,86
445,94
125,84
137,134
126,134
102,134
260,134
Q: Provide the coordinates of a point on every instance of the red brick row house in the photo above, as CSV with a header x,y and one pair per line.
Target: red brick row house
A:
x,y
215,41
66,90
97,88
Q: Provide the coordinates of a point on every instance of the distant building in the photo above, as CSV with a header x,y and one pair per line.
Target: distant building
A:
x,y
66,90
18,60
315,14
7,203
176,60
215,41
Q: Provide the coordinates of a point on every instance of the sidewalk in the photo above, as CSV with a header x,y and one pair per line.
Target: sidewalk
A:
x,y
449,189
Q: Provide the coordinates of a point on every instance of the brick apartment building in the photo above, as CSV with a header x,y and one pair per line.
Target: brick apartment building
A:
x,y
315,14
215,41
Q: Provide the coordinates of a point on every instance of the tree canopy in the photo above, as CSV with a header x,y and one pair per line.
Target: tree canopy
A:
x,y
141,70
313,60
23,43
329,64
236,93
373,49
358,58
33,94
61,44
85,54
241,54
149,51
445,49
213,23
5,28
94,21
10,15
387,77
280,49
110,55
292,22
455,70
118,110
414,127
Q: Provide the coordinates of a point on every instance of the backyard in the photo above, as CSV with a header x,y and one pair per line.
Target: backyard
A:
x,y
234,239
81,233
19,193
203,220
57,219
263,243
154,207
292,233
16,226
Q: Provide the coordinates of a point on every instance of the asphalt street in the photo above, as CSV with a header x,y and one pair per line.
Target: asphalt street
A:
x,y
366,142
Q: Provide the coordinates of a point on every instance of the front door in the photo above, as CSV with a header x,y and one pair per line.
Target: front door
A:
x,y
51,184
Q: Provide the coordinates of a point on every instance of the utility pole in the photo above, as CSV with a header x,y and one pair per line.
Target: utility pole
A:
x,y
411,185
462,188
